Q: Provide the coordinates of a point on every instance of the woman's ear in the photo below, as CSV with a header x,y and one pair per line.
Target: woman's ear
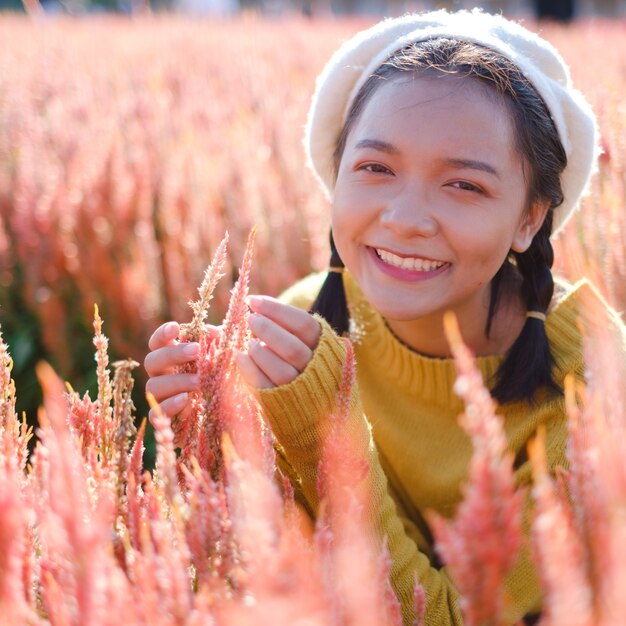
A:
x,y
530,223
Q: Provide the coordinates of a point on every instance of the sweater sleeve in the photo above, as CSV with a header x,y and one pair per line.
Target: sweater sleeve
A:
x,y
298,414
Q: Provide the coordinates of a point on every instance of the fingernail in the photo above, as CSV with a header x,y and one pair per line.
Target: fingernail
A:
x,y
171,328
253,301
191,349
255,343
181,398
195,380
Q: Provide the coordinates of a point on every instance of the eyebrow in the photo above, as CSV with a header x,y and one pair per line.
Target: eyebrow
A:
x,y
463,164
377,144
472,164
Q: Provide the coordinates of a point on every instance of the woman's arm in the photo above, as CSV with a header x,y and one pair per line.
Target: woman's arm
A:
x,y
300,413
299,398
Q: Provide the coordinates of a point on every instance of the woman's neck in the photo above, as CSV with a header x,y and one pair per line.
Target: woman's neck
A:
x,y
426,335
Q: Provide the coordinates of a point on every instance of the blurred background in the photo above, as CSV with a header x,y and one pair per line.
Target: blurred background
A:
x,y
562,10
134,134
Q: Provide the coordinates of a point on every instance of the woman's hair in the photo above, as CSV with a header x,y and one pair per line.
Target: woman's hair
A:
x,y
527,366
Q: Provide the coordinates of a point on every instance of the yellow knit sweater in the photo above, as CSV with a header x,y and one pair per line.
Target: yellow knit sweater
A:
x,y
405,414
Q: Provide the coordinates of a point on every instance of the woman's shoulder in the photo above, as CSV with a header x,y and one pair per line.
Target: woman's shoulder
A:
x,y
586,304
579,310
303,293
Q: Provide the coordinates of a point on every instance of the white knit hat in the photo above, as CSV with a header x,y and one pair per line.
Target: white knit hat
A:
x,y
358,58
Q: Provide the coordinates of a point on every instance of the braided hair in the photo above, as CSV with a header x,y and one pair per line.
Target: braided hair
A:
x,y
331,301
527,365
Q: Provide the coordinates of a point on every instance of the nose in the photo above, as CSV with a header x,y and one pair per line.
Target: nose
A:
x,y
410,214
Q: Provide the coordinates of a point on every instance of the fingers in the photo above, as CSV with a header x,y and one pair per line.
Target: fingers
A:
x,y
166,353
164,335
172,406
296,321
251,373
281,344
179,411
164,360
285,338
170,388
170,385
274,367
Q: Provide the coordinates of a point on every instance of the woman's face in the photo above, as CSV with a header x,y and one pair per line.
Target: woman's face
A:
x,y
430,197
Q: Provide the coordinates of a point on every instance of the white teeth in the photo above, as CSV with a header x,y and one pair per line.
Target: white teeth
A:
x,y
408,263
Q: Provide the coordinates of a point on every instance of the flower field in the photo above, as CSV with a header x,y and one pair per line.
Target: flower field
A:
x,y
214,534
127,149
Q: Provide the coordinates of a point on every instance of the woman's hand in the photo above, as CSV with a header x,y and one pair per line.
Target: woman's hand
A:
x,y
170,388
284,338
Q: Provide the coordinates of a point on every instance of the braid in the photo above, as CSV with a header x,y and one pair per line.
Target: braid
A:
x,y
528,364
535,265
331,301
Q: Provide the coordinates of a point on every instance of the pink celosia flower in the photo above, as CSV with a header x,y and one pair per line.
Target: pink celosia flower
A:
x,y
73,527
105,388
14,434
15,549
207,530
359,577
558,550
166,473
123,419
596,452
235,327
212,275
255,507
491,508
185,425
215,366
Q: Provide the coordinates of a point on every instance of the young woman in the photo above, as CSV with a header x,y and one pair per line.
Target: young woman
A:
x,y
451,146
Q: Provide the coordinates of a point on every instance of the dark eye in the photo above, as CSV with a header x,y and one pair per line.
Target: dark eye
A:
x,y
375,168
465,186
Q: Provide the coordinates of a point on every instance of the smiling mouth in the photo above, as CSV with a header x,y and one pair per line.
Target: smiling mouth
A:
x,y
414,264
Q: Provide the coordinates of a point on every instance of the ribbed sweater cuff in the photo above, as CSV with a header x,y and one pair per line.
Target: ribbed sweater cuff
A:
x,y
295,410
